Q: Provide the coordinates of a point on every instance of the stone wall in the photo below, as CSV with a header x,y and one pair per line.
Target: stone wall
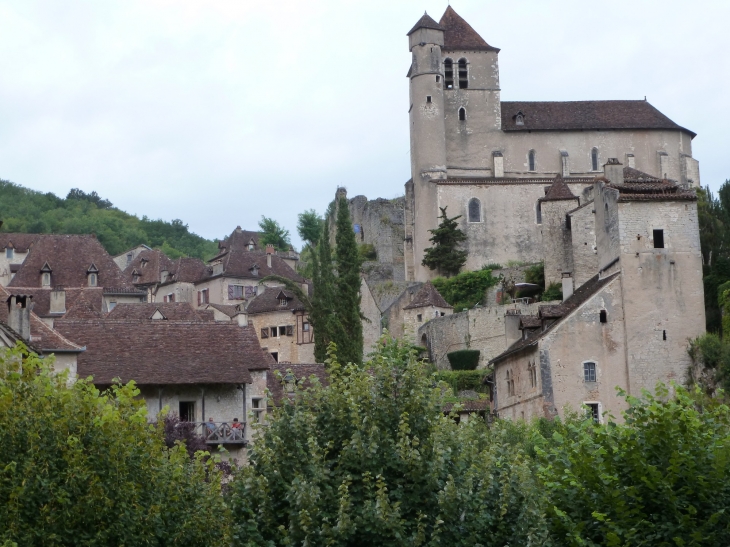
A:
x,y
285,346
556,240
583,241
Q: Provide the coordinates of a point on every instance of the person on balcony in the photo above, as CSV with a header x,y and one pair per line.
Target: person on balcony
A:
x,y
237,430
210,428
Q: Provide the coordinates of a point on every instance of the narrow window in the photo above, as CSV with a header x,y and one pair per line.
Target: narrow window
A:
x,y
462,114
538,212
282,331
9,252
419,317
449,73
92,280
475,210
46,279
129,258
463,77
532,369
112,305
531,160
187,411
604,316
275,355
664,335
305,327
589,371
428,98
658,239
438,79
594,412
594,159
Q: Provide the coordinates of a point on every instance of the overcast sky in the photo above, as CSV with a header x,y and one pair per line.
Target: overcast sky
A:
x,y
220,111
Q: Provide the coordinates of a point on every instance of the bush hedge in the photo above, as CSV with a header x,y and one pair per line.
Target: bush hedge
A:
x,y
464,359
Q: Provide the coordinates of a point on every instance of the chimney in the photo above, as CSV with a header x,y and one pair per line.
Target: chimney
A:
x,y
58,300
269,252
19,307
614,171
305,288
567,285
242,319
512,326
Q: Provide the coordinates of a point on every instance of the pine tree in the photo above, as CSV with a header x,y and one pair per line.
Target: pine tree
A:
x,y
347,289
445,255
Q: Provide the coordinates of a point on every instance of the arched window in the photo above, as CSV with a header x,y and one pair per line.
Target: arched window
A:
x,y
594,159
531,160
46,279
463,77
449,73
92,280
475,210
462,114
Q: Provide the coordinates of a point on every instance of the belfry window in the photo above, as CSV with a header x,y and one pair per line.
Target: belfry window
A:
x,y
594,159
463,76
462,114
449,73
475,210
531,160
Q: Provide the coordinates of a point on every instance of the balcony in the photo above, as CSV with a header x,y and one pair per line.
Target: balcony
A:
x,y
221,432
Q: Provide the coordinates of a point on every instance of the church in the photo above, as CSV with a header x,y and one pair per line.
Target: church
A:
x,y
490,160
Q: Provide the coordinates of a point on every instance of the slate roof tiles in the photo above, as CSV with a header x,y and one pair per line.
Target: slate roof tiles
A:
x,y
459,35
426,296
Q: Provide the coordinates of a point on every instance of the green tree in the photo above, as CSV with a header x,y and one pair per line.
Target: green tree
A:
x,y
445,256
372,460
662,478
273,233
309,226
80,467
467,289
348,335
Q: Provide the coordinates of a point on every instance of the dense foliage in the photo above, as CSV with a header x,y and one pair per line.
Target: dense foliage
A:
x,y
446,255
24,210
554,291
711,354
463,380
714,220
273,233
371,460
347,288
309,226
464,359
466,289
79,467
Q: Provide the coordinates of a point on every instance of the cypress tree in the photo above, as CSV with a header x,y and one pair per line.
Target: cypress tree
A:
x,y
322,313
347,289
445,255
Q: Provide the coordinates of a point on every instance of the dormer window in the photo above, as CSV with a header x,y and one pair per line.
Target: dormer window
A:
x,y
144,262
255,270
9,253
282,301
520,118
92,275
93,280
46,279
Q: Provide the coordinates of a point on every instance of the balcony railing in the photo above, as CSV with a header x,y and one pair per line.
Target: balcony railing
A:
x,y
222,432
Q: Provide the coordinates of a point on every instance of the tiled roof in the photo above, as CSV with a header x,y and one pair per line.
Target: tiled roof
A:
x,y
165,352
425,22
19,242
660,190
172,311
83,307
238,240
43,337
240,263
300,372
577,115
148,265
270,300
42,298
69,257
10,338
560,312
458,34
188,270
558,191
226,309
426,296
530,322
634,175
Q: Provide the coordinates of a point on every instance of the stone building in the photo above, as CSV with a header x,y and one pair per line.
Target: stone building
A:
x,y
489,160
628,326
426,305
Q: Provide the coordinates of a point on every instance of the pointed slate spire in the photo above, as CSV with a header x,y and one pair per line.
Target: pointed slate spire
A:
x,y
458,34
425,22
558,190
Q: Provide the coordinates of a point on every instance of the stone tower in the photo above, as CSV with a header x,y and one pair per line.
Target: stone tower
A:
x,y
454,76
556,237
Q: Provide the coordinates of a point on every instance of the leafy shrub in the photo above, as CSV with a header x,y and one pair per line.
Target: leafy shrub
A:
x,y
367,251
535,274
553,292
466,289
462,380
492,266
464,359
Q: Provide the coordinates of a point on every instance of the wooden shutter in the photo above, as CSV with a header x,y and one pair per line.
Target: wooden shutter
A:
x,y
290,330
265,332
199,299
230,292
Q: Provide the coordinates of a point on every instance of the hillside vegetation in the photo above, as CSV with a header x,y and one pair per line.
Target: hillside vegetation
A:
x,y
25,210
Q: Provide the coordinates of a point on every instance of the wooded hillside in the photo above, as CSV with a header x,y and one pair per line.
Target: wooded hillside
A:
x,y
26,210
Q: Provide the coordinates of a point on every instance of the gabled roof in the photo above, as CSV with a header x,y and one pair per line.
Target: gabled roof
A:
x,y
241,263
659,190
559,312
270,301
42,298
176,311
585,115
458,34
225,309
20,242
83,308
238,240
69,257
558,191
634,175
530,322
148,265
165,352
427,296
425,22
